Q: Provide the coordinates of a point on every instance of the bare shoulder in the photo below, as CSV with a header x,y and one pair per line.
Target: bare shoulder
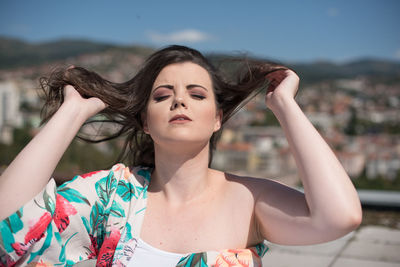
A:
x,y
264,203
264,192
239,191
276,207
260,187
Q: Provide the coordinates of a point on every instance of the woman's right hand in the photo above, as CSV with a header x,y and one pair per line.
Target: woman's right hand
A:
x,y
87,107
40,157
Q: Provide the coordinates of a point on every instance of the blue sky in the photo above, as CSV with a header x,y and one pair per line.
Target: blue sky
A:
x,y
286,30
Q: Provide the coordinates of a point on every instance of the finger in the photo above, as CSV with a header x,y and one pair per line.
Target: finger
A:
x,y
275,78
69,90
272,86
277,74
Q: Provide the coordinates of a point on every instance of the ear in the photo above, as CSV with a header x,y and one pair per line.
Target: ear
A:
x,y
218,120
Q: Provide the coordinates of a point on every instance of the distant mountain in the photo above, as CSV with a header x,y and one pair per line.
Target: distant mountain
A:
x,y
16,53
383,70
365,67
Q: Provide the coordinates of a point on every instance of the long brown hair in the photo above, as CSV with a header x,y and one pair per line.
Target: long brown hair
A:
x,y
127,101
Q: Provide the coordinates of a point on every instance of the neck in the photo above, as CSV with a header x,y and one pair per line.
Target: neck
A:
x,y
180,175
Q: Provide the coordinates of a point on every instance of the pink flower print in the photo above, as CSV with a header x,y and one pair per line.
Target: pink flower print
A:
x,y
21,248
61,215
36,232
127,173
234,257
89,174
93,247
108,248
40,263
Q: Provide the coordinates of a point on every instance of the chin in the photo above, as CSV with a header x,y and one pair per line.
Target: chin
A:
x,y
183,141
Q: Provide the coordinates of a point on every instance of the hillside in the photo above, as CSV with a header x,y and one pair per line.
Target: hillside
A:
x,y
16,54
379,69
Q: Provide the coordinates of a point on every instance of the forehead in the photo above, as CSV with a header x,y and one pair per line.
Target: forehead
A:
x,y
186,72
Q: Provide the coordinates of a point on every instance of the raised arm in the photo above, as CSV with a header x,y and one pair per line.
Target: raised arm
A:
x,y
30,171
329,207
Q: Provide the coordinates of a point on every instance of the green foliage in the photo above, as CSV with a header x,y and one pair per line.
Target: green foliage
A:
x,y
79,158
83,157
269,120
358,126
351,128
21,137
377,183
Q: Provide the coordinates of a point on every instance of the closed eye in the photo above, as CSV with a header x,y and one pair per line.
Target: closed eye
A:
x,y
162,92
160,98
199,97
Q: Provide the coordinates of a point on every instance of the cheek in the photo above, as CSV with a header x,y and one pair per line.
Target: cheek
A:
x,y
154,116
151,119
209,115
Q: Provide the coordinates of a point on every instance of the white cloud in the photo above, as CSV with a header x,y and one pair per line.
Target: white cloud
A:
x,y
333,12
189,35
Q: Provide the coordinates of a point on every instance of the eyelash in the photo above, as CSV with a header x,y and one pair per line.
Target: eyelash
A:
x,y
161,98
199,97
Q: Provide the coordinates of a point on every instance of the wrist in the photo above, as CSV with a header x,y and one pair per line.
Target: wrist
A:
x,y
73,111
282,105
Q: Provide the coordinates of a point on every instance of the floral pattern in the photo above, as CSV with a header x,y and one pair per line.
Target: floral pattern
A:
x,y
97,215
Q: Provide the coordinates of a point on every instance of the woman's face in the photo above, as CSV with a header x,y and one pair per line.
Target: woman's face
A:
x,y
182,106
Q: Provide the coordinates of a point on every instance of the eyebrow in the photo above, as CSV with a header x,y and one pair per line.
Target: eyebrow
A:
x,y
190,86
164,85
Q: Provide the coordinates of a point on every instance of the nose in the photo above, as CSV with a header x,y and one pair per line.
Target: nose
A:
x,y
178,101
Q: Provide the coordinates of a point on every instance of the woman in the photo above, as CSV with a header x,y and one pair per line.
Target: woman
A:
x,y
169,208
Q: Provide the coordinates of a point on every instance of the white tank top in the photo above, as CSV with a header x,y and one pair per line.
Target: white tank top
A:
x,y
147,255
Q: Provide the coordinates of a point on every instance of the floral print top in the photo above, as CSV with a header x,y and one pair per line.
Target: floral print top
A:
x,y
94,216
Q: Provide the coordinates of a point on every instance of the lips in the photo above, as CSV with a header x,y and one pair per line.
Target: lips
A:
x,y
180,118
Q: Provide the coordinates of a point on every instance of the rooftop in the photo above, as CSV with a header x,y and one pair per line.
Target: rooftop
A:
x,y
369,246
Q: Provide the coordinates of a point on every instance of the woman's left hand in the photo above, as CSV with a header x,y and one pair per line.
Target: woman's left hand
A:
x,y
283,86
286,216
